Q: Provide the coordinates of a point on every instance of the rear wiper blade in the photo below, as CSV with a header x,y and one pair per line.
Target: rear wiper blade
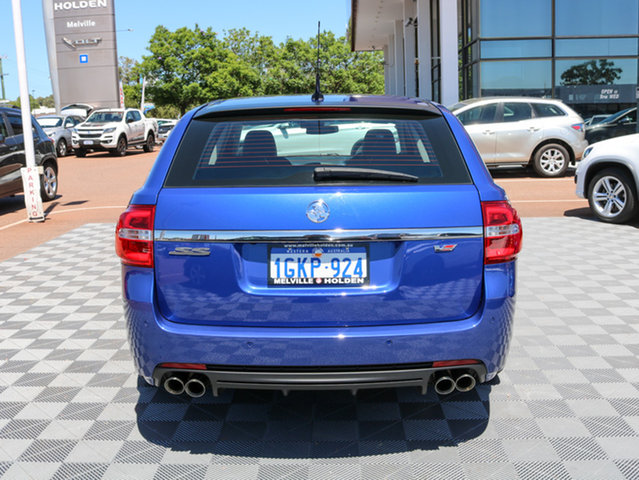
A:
x,y
355,173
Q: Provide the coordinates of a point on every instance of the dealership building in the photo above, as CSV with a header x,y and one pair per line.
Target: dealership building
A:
x,y
583,52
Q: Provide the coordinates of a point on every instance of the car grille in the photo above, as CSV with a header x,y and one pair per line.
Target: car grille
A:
x,y
89,135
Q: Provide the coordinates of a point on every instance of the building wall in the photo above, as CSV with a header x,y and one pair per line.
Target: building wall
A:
x,y
582,52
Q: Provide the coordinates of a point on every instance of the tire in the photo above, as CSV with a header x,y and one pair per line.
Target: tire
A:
x,y
61,148
120,149
612,196
81,152
551,160
150,143
49,182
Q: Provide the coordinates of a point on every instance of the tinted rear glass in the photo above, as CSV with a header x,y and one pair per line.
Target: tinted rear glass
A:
x,y
286,151
547,110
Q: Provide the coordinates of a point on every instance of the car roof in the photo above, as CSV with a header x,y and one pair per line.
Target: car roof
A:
x,y
472,101
330,101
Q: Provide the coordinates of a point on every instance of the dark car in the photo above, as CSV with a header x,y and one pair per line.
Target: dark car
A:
x,y
616,125
284,243
12,157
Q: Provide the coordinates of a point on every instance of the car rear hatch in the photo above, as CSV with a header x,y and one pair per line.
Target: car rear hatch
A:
x,y
309,218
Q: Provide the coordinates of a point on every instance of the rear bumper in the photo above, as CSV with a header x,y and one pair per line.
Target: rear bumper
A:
x,y
302,379
154,340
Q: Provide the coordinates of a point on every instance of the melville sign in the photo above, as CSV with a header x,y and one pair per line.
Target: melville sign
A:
x,y
76,31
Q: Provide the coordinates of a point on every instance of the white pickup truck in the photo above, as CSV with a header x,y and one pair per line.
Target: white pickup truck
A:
x,y
114,130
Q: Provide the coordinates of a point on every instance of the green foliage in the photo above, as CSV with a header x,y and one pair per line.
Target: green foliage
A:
x,y
593,72
164,111
188,67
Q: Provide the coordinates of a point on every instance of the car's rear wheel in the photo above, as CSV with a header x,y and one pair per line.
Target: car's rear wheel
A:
x,y
150,143
612,196
120,149
61,149
49,182
80,152
551,160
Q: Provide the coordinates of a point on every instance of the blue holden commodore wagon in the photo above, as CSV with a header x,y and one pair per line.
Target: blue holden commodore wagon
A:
x,y
284,243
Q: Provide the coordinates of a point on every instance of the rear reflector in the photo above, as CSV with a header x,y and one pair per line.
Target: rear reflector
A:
x,y
183,366
454,363
134,236
502,232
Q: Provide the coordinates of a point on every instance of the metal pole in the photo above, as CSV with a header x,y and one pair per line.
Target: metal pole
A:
x,y
30,174
2,80
142,99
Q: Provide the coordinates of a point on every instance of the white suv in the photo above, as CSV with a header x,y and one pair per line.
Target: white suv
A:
x,y
545,134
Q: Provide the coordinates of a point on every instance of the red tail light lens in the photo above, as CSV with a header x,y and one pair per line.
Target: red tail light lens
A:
x,y
502,232
134,236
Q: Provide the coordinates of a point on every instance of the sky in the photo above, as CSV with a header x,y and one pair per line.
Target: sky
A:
x,y
278,19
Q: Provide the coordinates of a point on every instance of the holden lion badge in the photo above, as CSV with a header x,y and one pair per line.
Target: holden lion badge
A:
x,y
317,211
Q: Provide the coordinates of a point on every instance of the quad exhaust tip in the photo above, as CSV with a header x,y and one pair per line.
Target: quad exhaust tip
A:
x,y
174,385
195,388
444,385
465,382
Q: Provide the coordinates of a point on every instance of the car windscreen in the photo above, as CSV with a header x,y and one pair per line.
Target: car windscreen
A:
x,y
104,117
49,122
317,150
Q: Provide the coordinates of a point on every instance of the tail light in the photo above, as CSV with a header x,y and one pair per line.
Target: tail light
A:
x,y
502,232
578,126
134,236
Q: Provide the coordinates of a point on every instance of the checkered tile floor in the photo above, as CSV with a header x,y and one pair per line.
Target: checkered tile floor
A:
x,y
567,405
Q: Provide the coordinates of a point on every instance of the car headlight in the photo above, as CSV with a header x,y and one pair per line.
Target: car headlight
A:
x,y
74,130
586,153
109,130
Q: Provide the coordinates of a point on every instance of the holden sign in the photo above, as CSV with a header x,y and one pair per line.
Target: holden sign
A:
x,y
77,31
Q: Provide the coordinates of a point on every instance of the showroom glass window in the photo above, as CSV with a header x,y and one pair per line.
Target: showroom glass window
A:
x,y
515,18
595,17
524,77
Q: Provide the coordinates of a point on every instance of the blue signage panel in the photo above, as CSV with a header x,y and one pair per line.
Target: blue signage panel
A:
x,y
84,59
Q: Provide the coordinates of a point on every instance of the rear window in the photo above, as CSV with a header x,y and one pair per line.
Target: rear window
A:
x,y
547,110
289,151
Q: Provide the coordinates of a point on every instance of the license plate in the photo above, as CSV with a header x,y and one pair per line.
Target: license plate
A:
x,y
88,142
320,265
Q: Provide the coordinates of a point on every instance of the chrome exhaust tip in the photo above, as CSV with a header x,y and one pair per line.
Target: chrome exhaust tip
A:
x,y
465,382
174,385
444,385
195,388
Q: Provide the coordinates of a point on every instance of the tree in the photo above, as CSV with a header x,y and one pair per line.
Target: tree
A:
x,y
130,71
180,65
593,72
189,67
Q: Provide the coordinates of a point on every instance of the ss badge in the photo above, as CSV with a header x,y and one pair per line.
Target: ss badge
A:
x,y
191,251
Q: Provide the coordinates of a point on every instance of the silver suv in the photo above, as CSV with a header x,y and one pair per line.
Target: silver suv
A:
x,y
545,134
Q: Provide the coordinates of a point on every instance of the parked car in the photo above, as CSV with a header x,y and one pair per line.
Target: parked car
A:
x,y
115,130
544,134
59,127
78,109
12,157
608,176
164,128
336,266
595,119
619,124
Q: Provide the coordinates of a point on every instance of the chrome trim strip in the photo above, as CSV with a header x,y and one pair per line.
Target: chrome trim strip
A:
x,y
317,236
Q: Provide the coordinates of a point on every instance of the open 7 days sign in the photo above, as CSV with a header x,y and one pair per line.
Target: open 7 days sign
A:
x,y
32,199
